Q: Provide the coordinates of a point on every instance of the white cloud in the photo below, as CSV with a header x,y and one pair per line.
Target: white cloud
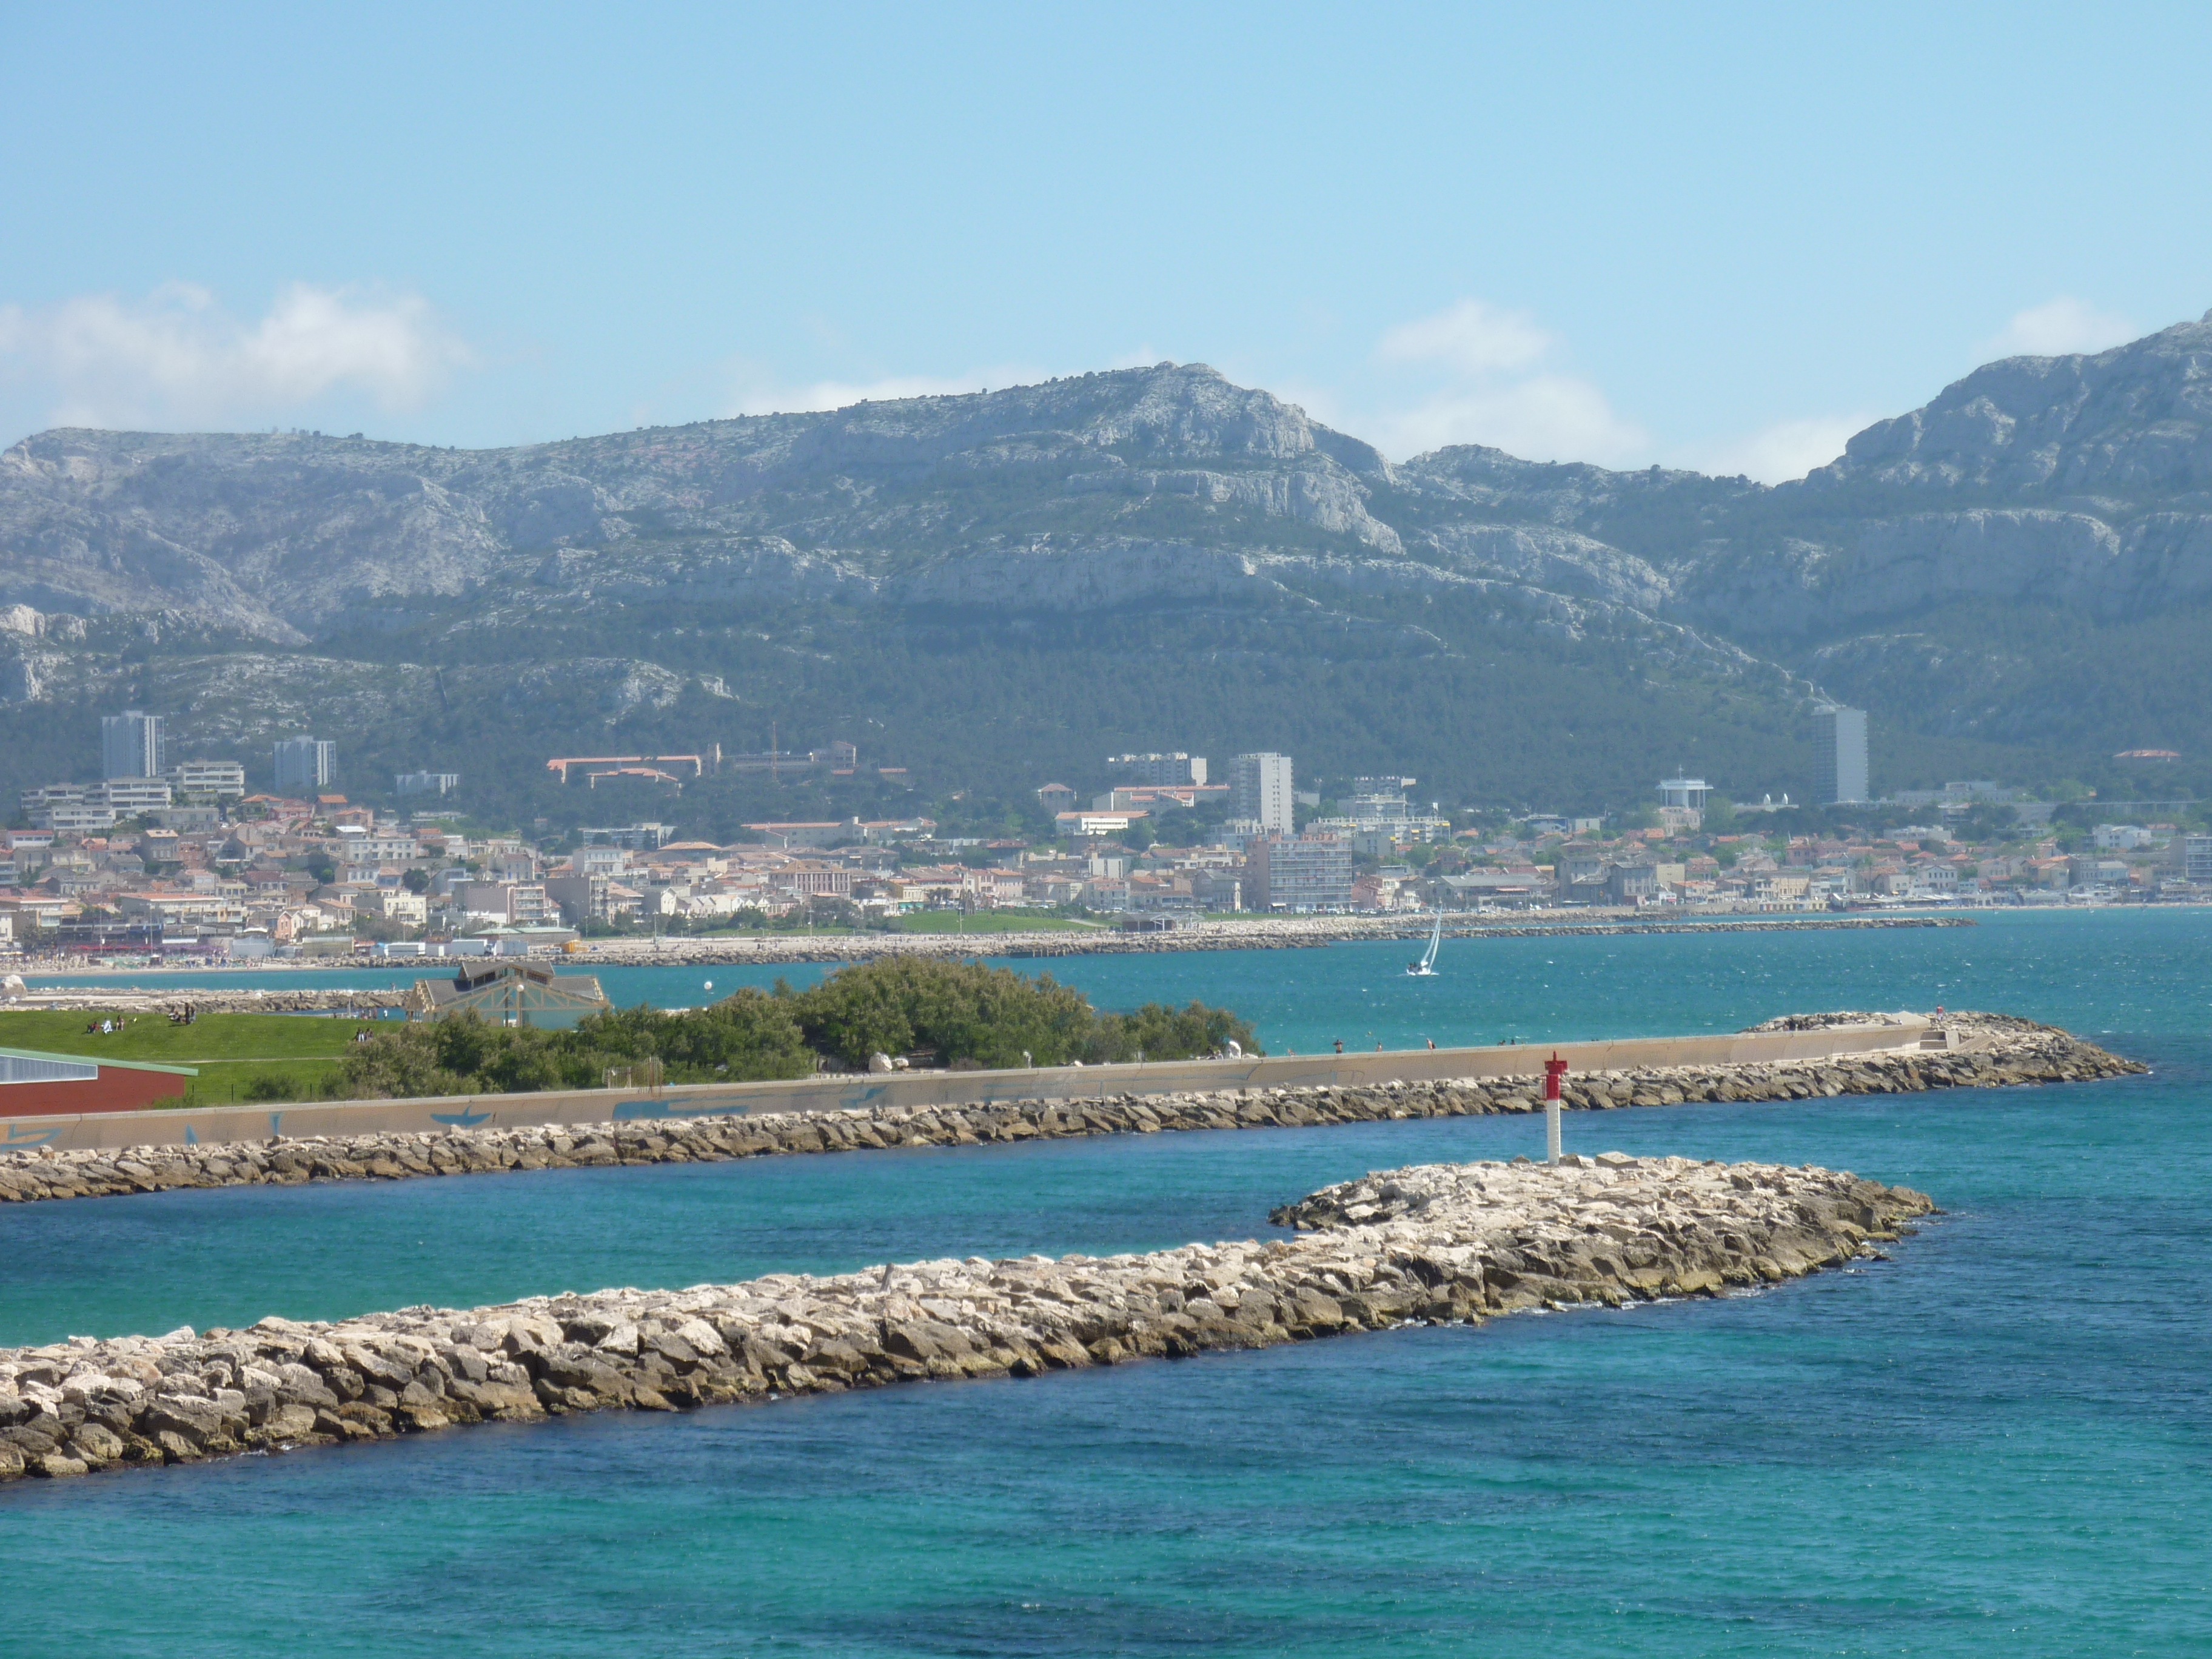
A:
x,y
2059,327
1495,390
1320,403
763,398
177,355
1545,417
1472,337
1788,449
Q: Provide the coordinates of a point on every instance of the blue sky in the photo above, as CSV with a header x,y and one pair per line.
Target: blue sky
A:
x,y
1722,237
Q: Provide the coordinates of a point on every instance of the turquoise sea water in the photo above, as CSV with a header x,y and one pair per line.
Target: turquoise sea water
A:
x,y
1995,1444
1560,987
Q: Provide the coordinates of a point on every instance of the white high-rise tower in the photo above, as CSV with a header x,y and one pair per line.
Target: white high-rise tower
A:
x,y
1843,755
132,745
1260,790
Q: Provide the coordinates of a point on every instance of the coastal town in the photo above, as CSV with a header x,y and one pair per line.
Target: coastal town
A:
x,y
180,861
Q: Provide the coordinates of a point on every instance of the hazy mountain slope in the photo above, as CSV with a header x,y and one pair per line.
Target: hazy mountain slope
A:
x,y
2028,558
285,535
1145,556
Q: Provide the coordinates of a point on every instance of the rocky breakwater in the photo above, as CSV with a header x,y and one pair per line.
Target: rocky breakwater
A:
x,y
1991,1051
1259,934
1437,1243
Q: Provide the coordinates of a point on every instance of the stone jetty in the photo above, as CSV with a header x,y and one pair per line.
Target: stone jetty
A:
x,y
712,951
1437,1243
1985,1051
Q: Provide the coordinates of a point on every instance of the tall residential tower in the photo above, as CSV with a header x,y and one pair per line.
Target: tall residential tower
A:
x,y
1843,755
308,764
1260,791
132,745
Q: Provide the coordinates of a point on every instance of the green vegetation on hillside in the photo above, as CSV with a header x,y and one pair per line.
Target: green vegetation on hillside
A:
x,y
1478,704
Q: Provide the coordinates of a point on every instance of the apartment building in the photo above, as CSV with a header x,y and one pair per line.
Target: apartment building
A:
x,y
1301,873
1261,789
208,780
1164,770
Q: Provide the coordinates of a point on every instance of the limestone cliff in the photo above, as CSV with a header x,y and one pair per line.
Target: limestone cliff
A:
x,y
1913,574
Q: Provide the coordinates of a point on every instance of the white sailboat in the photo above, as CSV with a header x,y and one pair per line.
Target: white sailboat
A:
x,y
1426,966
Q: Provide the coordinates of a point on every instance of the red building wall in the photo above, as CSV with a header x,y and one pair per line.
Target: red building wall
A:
x,y
115,1090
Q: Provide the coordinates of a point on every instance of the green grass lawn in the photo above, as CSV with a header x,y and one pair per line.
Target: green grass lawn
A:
x,y
991,921
741,932
231,1051
229,1082
920,922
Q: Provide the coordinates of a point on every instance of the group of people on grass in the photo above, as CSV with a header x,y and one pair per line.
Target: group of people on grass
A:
x,y
110,1024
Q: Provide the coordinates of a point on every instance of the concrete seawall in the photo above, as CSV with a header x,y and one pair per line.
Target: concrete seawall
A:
x,y
1436,1243
1975,1051
854,1092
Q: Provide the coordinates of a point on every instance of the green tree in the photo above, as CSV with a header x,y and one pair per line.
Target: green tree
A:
x,y
968,1014
965,1011
1156,1031
747,1035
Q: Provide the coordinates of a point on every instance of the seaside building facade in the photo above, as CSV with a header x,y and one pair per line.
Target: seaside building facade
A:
x,y
1300,872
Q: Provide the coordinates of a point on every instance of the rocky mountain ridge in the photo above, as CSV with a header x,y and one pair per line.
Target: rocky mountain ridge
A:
x,y
2085,479
2068,489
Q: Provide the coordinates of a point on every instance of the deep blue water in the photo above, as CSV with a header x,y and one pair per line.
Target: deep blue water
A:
x,y
1995,1444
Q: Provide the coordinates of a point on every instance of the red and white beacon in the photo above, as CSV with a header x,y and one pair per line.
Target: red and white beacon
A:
x,y
1555,1069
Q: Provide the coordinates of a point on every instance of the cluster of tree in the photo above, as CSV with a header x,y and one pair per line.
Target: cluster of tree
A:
x,y
967,1015
750,1034
956,1014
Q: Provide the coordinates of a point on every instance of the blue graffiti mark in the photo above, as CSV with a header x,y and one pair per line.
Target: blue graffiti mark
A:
x,y
276,1123
860,1096
192,1136
663,1108
459,1120
19,1136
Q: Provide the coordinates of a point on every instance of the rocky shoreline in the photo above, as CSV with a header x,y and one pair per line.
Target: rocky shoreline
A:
x,y
1434,1244
1993,1050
